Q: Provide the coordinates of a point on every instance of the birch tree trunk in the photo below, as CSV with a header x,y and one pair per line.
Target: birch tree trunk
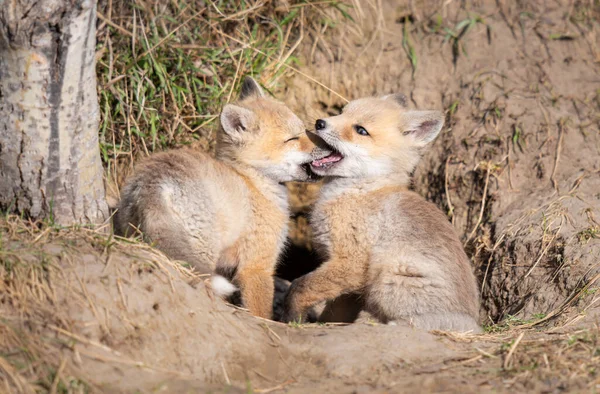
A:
x,y
49,155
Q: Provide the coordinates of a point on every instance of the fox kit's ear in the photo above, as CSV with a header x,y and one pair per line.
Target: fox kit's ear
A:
x,y
423,126
399,98
236,120
251,88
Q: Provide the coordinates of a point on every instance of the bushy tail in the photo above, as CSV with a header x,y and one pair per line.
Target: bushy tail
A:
x,y
221,286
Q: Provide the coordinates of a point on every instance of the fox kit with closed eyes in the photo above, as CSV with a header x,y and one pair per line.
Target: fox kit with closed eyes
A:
x,y
386,249
228,215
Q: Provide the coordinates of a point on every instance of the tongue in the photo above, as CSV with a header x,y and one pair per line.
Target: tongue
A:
x,y
332,158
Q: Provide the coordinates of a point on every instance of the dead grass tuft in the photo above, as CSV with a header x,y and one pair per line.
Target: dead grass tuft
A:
x,y
522,359
569,361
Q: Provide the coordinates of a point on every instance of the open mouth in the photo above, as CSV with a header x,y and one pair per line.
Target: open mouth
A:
x,y
324,155
327,161
312,176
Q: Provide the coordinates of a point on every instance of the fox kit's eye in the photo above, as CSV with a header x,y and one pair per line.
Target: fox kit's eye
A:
x,y
291,139
360,130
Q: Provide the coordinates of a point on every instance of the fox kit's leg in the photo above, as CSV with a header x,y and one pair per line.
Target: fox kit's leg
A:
x,y
252,266
344,309
332,279
257,287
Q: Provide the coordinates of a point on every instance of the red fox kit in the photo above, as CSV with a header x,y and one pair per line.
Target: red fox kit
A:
x,y
386,249
228,214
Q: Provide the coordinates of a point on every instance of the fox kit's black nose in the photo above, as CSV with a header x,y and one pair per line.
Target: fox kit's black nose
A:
x,y
320,124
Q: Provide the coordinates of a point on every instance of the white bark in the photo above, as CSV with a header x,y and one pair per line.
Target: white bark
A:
x,y
49,155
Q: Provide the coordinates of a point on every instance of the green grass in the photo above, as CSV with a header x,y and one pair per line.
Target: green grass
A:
x,y
592,232
510,322
166,68
518,138
296,323
408,47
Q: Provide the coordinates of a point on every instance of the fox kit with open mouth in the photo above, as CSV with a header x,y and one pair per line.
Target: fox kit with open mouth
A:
x,y
386,249
230,214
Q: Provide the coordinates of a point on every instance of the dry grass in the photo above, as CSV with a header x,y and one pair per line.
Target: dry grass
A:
x,y
166,68
527,360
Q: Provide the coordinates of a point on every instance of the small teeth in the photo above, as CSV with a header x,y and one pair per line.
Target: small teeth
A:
x,y
327,161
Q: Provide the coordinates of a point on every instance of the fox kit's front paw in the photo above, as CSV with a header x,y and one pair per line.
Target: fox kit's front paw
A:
x,y
292,313
310,316
295,317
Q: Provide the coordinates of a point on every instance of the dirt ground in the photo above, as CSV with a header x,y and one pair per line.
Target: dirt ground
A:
x,y
517,169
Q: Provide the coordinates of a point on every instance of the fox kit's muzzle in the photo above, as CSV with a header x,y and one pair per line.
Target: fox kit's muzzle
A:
x,y
324,155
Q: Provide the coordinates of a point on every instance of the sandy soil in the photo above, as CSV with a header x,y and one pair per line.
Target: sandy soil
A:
x,y
82,313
